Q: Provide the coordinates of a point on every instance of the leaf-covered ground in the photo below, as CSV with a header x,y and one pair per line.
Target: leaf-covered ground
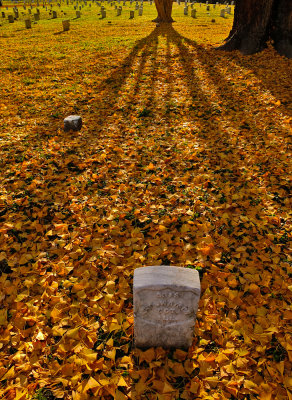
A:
x,y
182,160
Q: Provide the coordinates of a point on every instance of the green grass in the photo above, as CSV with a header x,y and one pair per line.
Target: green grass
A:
x,y
113,31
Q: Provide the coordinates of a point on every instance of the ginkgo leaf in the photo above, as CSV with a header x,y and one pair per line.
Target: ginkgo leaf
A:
x,y
91,384
3,317
88,354
194,387
122,382
73,333
120,396
40,336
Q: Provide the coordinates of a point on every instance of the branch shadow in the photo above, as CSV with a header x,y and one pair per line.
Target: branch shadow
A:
x,y
213,62
112,85
60,32
238,116
264,66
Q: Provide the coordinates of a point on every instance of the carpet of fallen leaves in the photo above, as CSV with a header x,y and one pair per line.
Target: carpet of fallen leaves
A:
x,y
182,160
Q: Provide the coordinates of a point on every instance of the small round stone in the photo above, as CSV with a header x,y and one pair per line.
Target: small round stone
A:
x,y
72,122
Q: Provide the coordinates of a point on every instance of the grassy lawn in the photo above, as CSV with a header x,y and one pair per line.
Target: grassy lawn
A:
x,y
182,160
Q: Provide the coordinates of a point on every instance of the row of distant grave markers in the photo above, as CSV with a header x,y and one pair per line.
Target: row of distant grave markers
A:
x,y
103,15
108,1
95,1
36,15
111,2
65,23
138,7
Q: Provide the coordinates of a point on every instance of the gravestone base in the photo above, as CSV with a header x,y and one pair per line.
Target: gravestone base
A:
x,y
170,336
165,306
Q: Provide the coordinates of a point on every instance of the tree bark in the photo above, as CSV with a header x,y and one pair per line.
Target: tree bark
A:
x,y
257,22
164,9
281,30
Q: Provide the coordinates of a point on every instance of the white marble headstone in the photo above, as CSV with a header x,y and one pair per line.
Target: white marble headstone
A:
x,y
165,306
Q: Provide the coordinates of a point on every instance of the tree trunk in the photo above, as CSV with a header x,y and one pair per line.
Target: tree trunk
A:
x,y
281,30
256,22
164,9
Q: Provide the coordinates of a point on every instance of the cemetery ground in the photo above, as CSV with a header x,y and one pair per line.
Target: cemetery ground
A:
x,y
182,160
